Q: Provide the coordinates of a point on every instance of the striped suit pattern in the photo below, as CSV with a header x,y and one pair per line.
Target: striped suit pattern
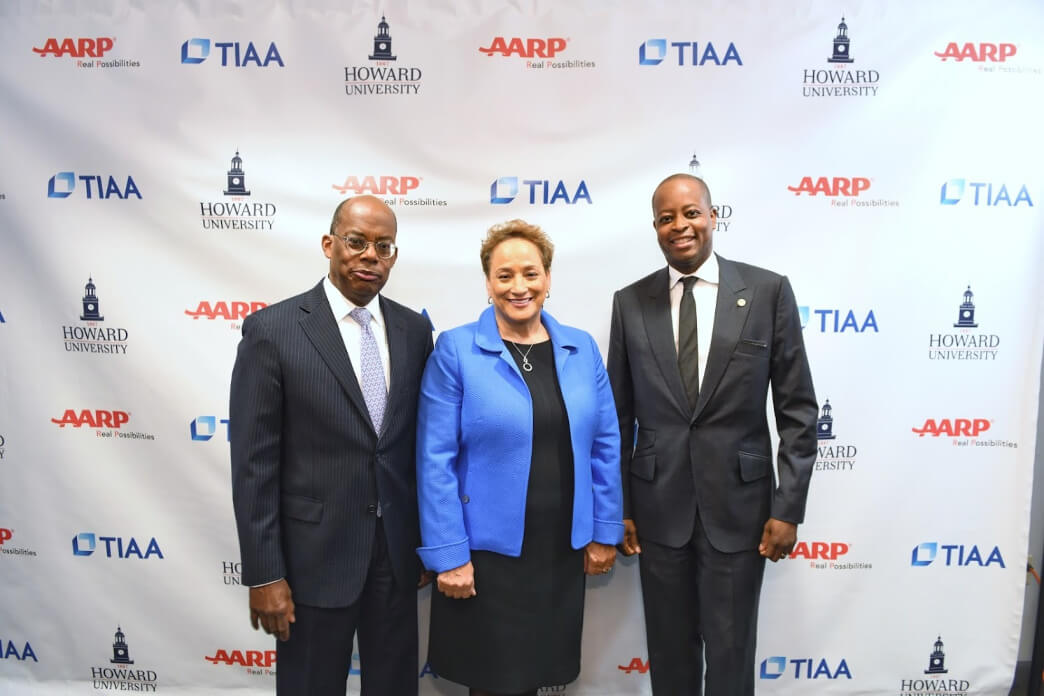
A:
x,y
308,469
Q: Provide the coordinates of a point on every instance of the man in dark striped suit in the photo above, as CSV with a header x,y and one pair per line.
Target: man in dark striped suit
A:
x,y
323,421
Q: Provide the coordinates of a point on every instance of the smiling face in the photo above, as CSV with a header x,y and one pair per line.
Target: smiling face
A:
x,y
360,276
517,283
684,222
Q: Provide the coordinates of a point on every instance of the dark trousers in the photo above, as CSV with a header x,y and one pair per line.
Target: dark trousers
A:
x,y
316,659
700,603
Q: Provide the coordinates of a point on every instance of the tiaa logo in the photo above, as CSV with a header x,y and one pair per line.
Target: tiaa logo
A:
x,y
926,553
654,51
9,650
202,428
62,185
984,193
804,668
85,543
233,53
505,189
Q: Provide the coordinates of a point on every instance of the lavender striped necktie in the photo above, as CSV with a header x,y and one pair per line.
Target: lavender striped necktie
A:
x,y
374,390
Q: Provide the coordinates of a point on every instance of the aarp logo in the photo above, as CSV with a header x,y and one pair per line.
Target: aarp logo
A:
x,y
525,48
977,53
76,47
953,427
831,186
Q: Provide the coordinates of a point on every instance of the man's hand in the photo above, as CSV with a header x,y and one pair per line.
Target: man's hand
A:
x,y
630,545
426,577
272,606
777,539
458,583
598,558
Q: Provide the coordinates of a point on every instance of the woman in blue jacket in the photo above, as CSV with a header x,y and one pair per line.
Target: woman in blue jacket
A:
x,y
518,479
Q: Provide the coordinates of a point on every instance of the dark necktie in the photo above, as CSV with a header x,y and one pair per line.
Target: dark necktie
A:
x,y
688,345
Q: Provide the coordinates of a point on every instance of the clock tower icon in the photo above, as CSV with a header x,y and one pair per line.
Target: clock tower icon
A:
x,y
91,310
694,165
236,178
966,315
382,43
841,45
937,661
120,653
825,424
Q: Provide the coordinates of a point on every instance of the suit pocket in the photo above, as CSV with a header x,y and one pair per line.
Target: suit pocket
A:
x,y
645,440
301,508
753,347
754,466
644,467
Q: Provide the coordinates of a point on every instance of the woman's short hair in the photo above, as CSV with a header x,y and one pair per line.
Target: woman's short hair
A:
x,y
516,229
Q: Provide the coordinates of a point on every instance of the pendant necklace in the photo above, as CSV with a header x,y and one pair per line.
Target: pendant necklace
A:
x,y
526,365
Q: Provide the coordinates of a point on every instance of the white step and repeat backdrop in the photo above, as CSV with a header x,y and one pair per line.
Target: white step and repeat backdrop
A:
x,y
889,166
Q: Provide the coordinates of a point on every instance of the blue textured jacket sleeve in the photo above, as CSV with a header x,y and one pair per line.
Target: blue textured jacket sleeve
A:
x,y
443,534
605,459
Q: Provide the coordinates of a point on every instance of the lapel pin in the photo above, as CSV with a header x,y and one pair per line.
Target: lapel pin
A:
x,y
741,302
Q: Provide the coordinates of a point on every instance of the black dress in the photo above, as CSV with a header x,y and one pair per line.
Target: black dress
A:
x,y
522,629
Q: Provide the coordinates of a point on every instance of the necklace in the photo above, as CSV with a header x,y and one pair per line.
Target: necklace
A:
x,y
526,365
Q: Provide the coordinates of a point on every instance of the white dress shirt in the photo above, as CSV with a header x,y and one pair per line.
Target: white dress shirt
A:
x,y
351,332
705,293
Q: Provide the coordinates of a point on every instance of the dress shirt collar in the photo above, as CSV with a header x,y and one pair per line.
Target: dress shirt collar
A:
x,y
342,306
708,272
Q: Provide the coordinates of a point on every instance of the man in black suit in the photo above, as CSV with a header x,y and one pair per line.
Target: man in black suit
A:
x,y
691,362
322,426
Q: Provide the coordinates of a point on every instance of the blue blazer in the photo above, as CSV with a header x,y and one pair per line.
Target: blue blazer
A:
x,y
475,443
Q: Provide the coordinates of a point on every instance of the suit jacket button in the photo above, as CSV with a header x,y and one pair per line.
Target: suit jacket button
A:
x,y
371,509
465,499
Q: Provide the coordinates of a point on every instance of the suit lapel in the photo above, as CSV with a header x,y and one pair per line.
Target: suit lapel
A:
x,y
730,315
656,312
317,321
487,337
561,345
398,354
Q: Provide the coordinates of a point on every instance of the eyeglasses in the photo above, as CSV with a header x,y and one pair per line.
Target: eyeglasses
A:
x,y
358,245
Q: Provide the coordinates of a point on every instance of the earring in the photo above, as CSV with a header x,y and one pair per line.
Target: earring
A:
x,y
547,295
490,300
